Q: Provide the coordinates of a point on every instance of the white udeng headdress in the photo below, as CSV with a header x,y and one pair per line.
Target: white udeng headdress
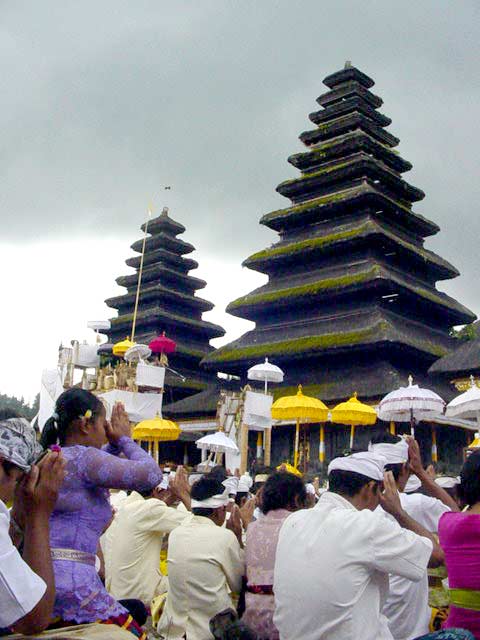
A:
x,y
231,484
366,462
394,453
214,502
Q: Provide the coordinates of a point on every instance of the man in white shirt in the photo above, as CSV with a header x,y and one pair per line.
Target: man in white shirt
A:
x,y
27,588
333,561
407,608
205,564
134,541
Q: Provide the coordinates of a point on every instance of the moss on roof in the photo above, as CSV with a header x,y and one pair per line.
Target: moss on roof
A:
x,y
341,282
306,345
295,346
343,196
322,242
307,289
147,313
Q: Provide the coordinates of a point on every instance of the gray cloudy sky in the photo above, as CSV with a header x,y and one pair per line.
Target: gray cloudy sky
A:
x,y
105,102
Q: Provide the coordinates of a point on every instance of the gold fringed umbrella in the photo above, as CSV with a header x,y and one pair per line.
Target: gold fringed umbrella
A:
x,y
120,348
352,413
154,431
299,407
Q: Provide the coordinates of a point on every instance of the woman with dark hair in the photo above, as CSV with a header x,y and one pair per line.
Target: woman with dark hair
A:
x,y
459,535
83,510
282,494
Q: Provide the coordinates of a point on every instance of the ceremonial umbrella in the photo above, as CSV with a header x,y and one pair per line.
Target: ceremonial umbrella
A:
x,y
218,442
156,430
353,412
265,372
299,407
467,404
120,348
137,353
163,346
411,403
105,351
289,469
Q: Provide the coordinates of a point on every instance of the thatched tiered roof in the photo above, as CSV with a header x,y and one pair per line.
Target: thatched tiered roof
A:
x,y
351,295
463,361
168,302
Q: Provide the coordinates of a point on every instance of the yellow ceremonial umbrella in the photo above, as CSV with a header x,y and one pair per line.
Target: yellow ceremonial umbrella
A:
x,y
285,466
353,412
299,407
120,348
156,430
475,444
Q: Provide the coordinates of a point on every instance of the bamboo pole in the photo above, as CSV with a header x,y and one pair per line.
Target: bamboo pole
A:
x,y
297,437
434,445
393,429
259,445
267,452
244,448
321,450
140,271
352,435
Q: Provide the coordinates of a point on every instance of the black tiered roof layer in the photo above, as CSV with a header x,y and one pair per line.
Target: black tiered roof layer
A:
x,y
167,303
350,282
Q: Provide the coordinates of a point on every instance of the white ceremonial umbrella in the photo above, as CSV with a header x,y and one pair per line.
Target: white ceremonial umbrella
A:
x,y
137,353
411,403
217,442
467,404
265,372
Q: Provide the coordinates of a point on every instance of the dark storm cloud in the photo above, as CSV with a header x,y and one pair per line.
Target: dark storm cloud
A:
x,y
103,103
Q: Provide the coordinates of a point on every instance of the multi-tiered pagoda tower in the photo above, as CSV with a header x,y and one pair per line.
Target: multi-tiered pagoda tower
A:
x,y
167,303
351,302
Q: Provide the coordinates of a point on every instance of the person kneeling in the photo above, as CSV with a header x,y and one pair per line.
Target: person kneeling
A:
x,y
205,561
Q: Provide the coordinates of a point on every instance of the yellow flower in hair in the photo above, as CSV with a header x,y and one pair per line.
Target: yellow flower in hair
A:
x,y
88,414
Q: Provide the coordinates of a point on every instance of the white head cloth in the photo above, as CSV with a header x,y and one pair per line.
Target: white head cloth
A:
x,y
231,484
365,462
261,477
193,477
413,484
394,453
310,489
214,502
163,486
246,479
243,486
447,482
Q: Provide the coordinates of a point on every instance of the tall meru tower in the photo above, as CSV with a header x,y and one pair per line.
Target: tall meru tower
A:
x,y
351,302
167,303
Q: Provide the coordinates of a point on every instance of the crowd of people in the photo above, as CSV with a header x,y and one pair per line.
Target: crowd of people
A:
x,y
92,530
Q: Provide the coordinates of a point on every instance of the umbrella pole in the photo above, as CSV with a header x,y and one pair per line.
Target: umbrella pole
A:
x,y
412,424
434,445
297,436
266,386
155,451
392,428
321,453
352,435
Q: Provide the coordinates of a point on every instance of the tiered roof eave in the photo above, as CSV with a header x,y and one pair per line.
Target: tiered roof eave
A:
x,y
350,198
321,287
375,328
317,243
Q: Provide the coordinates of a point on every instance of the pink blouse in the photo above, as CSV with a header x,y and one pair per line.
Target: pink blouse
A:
x,y
459,535
260,550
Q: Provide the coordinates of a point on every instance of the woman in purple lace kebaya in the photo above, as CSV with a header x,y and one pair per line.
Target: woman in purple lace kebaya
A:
x,y
83,510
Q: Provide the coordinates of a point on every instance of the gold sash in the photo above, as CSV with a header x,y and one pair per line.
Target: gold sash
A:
x,y
73,556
